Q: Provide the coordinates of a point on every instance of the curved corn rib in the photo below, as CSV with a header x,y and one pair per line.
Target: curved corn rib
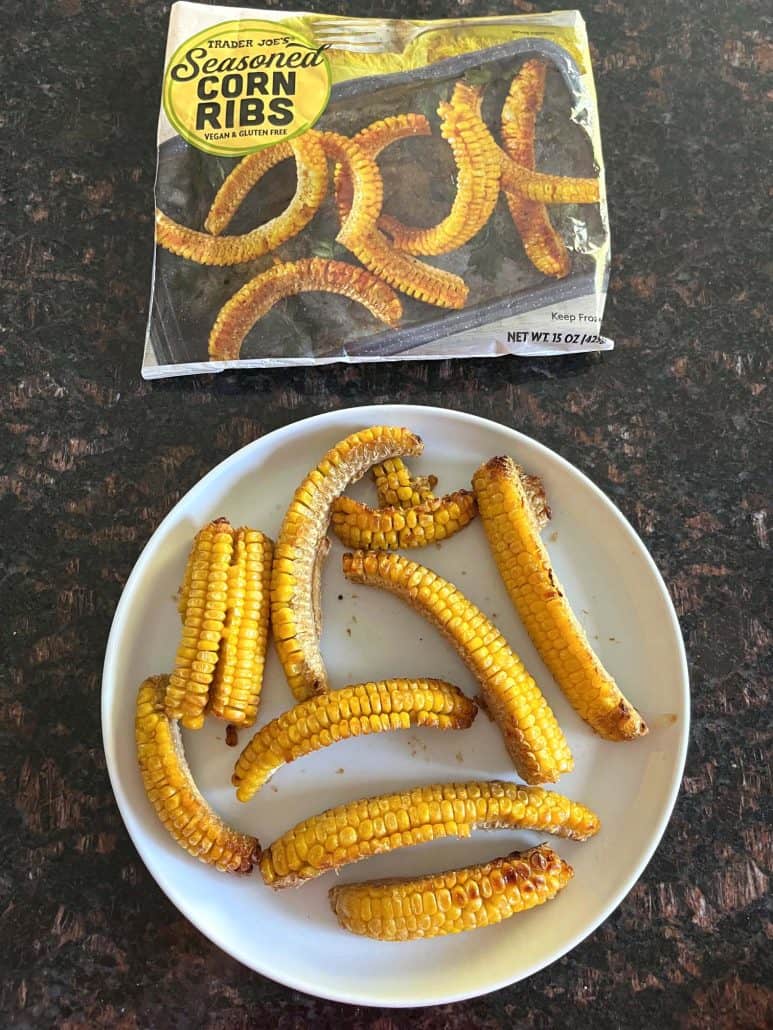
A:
x,y
205,612
397,488
477,181
235,692
360,235
372,826
238,315
301,535
538,597
543,245
548,189
238,183
233,250
353,711
453,901
532,735
172,792
358,525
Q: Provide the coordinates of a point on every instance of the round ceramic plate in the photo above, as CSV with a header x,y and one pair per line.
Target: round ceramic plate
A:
x,y
292,935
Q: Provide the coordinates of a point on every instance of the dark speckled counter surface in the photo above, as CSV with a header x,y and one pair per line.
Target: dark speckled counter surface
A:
x,y
675,425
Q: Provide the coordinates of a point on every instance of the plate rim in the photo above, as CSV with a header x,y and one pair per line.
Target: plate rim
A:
x,y
108,686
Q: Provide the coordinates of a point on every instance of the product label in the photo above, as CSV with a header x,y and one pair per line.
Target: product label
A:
x,y
242,85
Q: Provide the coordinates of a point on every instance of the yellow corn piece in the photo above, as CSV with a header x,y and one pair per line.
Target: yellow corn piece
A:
x,y
233,250
372,826
543,245
397,488
477,181
300,538
249,304
532,735
453,901
235,691
170,788
244,177
358,525
353,711
205,610
539,599
548,189
367,188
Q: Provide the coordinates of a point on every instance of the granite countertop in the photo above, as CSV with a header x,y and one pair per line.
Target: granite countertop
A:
x,y
674,425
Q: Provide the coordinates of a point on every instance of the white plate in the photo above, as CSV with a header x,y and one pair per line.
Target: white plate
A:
x,y
292,936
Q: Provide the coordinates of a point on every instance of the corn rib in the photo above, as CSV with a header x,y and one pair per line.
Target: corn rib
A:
x,y
543,245
249,304
358,525
539,599
235,691
339,714
300,538
452,901
547,189
309,193
532,735
175,797
373,826
238,183
397,488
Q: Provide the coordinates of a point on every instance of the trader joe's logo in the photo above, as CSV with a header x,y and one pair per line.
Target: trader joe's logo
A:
x,y
242,85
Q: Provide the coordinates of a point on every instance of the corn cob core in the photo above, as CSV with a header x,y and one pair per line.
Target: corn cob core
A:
x,y
358,525
397,488
372,826
170,788
539,599
236,686
353,711
532,735
300,538
453,901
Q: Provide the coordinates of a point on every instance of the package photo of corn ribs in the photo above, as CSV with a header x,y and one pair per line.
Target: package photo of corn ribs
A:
x,y
334,189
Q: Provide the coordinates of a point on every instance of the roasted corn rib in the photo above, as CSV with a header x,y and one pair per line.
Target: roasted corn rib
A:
x,y
238,315
206,249
543,245
360,829
548,189
176,798
238,183
524,565
206,595
477,181
300,538
396,487
235,692
532,735
353,711
453,901
358,525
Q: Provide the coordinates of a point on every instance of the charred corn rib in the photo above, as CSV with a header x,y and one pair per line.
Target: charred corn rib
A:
x,y
310,191
358,525
543,245
524,565
205,612
172,792
477,182
453,901
547,189
372,140
397,488
236,687
238,315
372,826
532,735
360,235
244,177
300,538
350,712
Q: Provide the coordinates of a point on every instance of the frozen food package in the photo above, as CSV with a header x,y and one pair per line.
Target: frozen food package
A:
x,y
357,189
